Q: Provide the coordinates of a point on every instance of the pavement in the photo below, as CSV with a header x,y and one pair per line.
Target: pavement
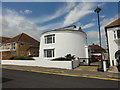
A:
x,y
82,71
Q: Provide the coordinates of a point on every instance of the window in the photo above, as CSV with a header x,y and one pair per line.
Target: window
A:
x,y
114,35
50,39
21,43
49,53
21,53
118,33
12,53
4,54
13,45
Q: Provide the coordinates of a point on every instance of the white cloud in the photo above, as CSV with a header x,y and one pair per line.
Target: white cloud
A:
x,y
101,4
103,16
13,24
88,25
58,13
92,34
78,12
26,11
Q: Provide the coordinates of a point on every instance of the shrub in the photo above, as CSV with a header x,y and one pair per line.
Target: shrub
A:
x,y
68,57
61,59
20,58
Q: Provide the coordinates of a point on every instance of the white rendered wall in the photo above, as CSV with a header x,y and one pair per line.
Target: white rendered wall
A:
x,y
66,42
45,63
113,46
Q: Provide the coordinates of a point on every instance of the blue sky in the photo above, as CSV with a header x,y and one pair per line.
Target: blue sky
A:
x,y
34,18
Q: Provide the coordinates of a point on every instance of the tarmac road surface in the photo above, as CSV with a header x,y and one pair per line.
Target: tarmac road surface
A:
x,y
25,79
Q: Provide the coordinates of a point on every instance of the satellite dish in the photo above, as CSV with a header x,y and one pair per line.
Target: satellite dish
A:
x,y
117,55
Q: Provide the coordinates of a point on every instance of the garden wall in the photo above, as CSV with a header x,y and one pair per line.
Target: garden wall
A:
x,y
43,63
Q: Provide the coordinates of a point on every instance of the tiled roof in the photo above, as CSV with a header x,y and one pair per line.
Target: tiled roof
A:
x,y
2,39
23,38
114,23
95,47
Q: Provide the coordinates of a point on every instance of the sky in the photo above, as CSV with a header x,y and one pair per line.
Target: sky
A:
x,y
34,18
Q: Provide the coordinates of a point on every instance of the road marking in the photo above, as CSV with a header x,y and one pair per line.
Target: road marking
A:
x,y
65,74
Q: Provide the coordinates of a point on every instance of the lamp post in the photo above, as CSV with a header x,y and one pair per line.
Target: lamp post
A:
x,y
97,10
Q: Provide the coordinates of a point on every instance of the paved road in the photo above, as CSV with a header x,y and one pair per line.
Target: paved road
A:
x,y
24,79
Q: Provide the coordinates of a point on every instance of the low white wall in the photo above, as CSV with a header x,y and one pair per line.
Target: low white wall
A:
x,y
43,63
75,63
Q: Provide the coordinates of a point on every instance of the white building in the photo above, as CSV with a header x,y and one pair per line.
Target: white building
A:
x,y
113,41
60,42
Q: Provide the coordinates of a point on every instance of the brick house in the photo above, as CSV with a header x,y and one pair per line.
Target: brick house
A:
x,y
95,52
19,46
3,39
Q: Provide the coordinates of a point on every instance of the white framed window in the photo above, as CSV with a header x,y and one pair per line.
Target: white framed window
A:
x,y
50,39
13,45
118,33
48,53
115,35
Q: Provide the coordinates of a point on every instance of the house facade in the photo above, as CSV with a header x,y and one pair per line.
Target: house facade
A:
x,y
95,52
18,46
60,42
113,41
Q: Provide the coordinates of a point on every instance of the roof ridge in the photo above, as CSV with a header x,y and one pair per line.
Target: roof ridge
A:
x,y
20,36
113,23
30,37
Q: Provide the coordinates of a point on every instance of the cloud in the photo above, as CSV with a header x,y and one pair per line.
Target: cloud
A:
x,y
95,34
26,11
92,34
58,13
88,25
13,24
101,4
78,12
103,16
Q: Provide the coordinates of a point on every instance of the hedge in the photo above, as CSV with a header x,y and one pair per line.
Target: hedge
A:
x,y
21,58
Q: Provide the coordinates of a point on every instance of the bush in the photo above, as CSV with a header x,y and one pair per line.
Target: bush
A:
x,y
68,57
20,58
61,59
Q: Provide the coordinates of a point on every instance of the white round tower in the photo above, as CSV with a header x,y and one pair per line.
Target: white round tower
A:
x,y
60,42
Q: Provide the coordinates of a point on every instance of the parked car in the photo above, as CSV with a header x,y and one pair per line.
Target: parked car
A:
x,y
98,58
